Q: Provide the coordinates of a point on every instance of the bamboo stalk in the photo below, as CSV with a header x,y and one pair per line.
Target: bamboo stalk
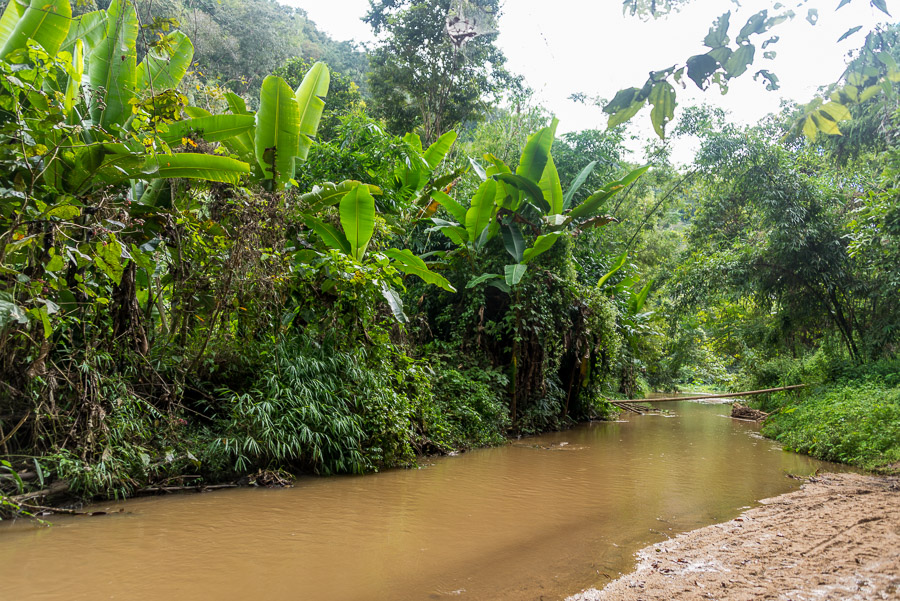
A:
x,y
726,395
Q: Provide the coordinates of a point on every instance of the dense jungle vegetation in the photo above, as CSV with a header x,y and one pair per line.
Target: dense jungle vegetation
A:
x,y
231,247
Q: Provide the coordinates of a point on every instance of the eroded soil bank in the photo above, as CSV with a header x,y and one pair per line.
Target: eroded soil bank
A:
x,y
836,538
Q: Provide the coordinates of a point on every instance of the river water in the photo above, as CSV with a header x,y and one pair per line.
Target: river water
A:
x,y
539,519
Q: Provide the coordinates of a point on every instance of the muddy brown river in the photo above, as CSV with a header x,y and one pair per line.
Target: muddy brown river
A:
x,y
541,518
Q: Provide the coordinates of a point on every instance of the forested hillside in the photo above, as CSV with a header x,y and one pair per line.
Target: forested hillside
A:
x,y
232,249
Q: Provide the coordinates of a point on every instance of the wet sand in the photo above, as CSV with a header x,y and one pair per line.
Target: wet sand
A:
x,y
837,538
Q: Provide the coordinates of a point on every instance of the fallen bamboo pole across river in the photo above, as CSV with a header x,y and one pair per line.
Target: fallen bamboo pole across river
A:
x,y
726,395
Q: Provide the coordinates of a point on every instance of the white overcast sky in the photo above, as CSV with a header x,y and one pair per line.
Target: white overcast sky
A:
x,y
568,46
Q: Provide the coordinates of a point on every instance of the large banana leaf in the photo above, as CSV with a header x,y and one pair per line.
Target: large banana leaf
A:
x,y
277,130
410,264
166,63
541,245
481,212
524,187
537,152
452,207
89,27
576,185
310,97
514,273
44,21
328,194
357,210
552,187
595,201
454,231
236,104
11,15
112,69
437,151
513,241
187,165
242,144
330,235
215,128
75,71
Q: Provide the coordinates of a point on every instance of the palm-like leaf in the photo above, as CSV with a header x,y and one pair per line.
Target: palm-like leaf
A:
x,y
552,187
437,151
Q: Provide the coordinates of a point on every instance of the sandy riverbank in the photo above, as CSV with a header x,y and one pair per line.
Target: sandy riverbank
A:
x,y
837,538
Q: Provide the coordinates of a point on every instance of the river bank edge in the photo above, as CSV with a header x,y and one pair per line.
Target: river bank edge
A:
x,y
837,537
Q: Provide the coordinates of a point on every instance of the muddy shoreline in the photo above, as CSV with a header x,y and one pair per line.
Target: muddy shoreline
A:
x,y
838,537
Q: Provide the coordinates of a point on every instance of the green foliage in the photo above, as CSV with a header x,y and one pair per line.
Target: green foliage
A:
x,y
302,412
344,97
856,423
419,78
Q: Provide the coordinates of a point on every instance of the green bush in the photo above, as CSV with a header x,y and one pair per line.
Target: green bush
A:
x,y
855,423
470,407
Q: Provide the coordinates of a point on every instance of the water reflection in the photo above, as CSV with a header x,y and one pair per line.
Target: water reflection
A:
x,y
538,519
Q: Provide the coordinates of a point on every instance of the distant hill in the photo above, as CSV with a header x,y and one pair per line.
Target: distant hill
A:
x,y
242,41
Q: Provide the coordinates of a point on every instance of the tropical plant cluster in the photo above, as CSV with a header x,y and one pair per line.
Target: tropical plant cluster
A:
x,y
320,270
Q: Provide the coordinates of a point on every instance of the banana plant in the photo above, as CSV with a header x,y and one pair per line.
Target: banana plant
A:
x,y
274,138
527,207
99,52
356,210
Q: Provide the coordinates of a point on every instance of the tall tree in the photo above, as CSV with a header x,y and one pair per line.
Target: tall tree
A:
x,y
436,64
